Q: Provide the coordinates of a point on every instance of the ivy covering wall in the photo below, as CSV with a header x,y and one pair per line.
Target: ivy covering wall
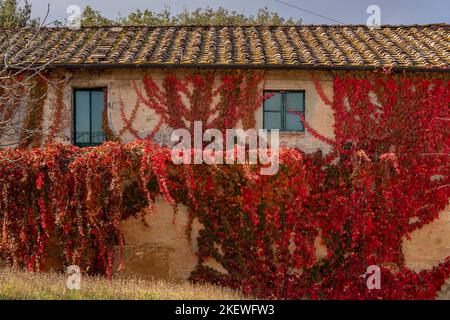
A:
x,y
388,175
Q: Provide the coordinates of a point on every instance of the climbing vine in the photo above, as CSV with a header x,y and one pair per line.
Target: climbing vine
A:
x,y
180,101
55,127
31,135
109,134
386,177
12,92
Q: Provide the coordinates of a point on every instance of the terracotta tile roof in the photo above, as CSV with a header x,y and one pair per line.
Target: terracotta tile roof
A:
x,y
415,46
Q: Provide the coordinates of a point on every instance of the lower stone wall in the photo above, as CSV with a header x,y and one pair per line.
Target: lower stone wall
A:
x,y
163,249
444,294
429,245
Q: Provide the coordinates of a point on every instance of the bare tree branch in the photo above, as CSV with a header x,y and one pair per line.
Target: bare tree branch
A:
x,y
18,81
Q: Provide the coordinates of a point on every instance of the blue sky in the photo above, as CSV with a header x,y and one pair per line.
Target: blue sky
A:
x,y
347,11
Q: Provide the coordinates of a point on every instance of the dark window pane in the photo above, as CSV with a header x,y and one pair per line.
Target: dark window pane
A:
x,y
277,109
89,115
273,103
294,101
293,122
82,116
272,120
97,105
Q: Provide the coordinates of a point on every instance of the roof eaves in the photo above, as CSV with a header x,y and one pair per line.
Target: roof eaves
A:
x,y
243,66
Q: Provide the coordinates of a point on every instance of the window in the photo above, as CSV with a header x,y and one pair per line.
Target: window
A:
x,y
276,110
89,105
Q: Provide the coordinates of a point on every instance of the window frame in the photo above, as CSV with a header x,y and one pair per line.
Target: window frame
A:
x,y
74,131
283,108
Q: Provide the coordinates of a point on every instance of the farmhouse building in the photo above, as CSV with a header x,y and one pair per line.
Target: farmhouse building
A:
x,y
96,91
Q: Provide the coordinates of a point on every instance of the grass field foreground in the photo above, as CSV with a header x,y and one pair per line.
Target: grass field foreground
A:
x,y
22,285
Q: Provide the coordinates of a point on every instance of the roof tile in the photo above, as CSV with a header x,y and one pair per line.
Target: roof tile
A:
x,y
415,46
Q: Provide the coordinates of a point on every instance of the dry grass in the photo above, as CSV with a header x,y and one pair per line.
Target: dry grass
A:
x,y
20,285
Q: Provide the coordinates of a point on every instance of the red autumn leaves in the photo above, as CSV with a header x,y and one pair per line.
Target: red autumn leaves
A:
x,y
386,176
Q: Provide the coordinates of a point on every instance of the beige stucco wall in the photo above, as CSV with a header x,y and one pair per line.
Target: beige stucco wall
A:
x,y
119,84
163,250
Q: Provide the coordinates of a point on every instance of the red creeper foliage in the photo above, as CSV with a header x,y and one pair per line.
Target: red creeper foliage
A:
x,y
388,175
